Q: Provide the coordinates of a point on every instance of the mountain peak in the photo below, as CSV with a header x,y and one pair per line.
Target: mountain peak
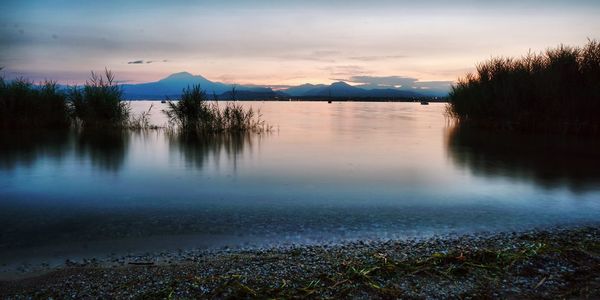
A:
x,y
182,76
340,84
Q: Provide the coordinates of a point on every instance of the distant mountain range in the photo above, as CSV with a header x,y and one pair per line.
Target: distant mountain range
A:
x,y
172,85
341,89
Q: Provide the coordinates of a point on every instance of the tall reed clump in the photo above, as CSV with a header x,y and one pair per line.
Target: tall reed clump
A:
x,y
27,105
194,113
554,91
99,103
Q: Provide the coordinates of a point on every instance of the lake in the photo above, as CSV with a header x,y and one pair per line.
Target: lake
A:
x,y
325,173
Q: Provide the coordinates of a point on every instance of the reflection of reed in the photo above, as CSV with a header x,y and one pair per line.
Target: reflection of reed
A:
x,y
197,148
24,147
545,160
104,148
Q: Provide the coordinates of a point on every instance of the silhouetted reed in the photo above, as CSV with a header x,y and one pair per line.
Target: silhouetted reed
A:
x,y
141,121
554,91
194,113
26,105
99,103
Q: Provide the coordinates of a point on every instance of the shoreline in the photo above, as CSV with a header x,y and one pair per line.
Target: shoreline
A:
x,y
548,263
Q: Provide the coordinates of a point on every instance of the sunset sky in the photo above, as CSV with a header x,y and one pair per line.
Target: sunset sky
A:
x,y
281,42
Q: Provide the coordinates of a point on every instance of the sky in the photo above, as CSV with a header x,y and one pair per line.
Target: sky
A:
x,y
429,43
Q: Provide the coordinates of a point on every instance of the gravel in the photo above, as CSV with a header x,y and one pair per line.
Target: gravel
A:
x,y
556,263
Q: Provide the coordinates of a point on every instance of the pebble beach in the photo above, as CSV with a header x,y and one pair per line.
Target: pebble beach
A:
x,y
553,263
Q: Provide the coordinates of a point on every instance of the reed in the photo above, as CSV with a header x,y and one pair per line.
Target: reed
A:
x,y
194,113
99,103
24,104
142,121
554,91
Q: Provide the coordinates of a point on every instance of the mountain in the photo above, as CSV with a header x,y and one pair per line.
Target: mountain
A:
x,y
301,90
171,86
393,93
256,94
341,89
337,89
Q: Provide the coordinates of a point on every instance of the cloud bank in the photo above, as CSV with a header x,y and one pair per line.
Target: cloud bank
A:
x,y
283,42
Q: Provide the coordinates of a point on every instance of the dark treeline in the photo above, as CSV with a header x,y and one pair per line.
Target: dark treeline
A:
x,y
554,91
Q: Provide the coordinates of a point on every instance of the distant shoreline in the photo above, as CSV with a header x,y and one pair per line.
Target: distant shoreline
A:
x,y
562,262
313,100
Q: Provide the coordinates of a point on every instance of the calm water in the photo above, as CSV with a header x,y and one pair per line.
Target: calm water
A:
x,y
327,172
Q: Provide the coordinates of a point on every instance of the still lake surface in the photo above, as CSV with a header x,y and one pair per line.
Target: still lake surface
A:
x,y
326,173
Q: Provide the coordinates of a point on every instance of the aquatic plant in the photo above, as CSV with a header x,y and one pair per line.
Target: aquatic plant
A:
x,y
99,103
141,121
24,104
194,113
554,91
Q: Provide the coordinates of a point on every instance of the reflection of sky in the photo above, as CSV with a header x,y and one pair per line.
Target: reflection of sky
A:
x,y
327,171
351,150
280,42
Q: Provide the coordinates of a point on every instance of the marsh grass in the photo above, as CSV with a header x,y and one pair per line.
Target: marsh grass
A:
x,y
142,121
554,91
24,104
194,113
99,103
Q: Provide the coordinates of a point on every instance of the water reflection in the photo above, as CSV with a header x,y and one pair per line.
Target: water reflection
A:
x,y
548,161
197,149
105,148
331,172
24,148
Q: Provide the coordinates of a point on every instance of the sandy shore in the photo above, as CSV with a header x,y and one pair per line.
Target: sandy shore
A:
x,y
557,263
